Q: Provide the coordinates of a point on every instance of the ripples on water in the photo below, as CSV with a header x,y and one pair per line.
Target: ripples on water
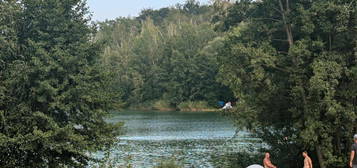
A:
x,y
192,139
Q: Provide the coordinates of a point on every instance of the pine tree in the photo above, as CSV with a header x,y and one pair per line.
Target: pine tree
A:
x,y
54,93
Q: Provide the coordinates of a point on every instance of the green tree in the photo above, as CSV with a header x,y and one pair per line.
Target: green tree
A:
x,y
191,70
147,55
119,37
53,92
293,66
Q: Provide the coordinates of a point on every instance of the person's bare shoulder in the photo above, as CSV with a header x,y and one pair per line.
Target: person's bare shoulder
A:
x,y
265,162
310,162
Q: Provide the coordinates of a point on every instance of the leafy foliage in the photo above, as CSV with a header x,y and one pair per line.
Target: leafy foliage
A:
x,y
53,91
292,64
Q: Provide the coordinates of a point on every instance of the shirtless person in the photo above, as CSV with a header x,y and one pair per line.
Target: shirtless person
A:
x,y
353,157
307,160
266,162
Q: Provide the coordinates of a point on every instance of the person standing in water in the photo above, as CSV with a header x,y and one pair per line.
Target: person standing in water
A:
x,y
353,157
266,162
307,160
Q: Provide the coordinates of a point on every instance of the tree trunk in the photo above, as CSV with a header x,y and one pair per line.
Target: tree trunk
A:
x,y
320,157
286,25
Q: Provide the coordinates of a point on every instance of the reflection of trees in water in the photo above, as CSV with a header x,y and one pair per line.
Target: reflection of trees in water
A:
x,y
241,156
196,153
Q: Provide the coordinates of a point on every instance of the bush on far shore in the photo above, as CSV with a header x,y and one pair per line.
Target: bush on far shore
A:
x,y
162,105
194,106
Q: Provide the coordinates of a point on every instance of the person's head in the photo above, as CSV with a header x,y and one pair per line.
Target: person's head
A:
x,y
355,138
267,155
304,153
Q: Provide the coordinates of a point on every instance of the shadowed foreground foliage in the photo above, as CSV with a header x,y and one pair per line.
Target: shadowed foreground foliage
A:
x,y
293,64
53,91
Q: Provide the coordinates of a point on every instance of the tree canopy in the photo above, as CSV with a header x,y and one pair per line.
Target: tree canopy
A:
x,y
293,66
53,89
165,54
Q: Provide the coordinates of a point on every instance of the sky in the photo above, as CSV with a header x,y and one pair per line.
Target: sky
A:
x,y
111,9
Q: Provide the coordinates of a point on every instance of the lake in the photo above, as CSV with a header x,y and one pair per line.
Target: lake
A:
x,y
193,139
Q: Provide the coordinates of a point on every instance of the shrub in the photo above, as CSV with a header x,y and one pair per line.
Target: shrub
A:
x,y
162,105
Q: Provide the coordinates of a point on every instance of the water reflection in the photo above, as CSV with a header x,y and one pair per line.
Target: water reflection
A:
x,y
190,138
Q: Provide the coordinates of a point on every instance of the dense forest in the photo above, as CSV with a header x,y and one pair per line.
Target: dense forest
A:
x,y
165,58
290,65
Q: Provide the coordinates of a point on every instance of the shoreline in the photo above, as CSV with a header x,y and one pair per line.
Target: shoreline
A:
x,y
172,109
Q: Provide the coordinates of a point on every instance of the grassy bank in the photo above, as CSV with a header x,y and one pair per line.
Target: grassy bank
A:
x,y
162,105
195,106
158,105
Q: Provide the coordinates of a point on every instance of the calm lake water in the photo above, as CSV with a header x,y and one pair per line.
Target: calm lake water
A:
x,y
193,139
